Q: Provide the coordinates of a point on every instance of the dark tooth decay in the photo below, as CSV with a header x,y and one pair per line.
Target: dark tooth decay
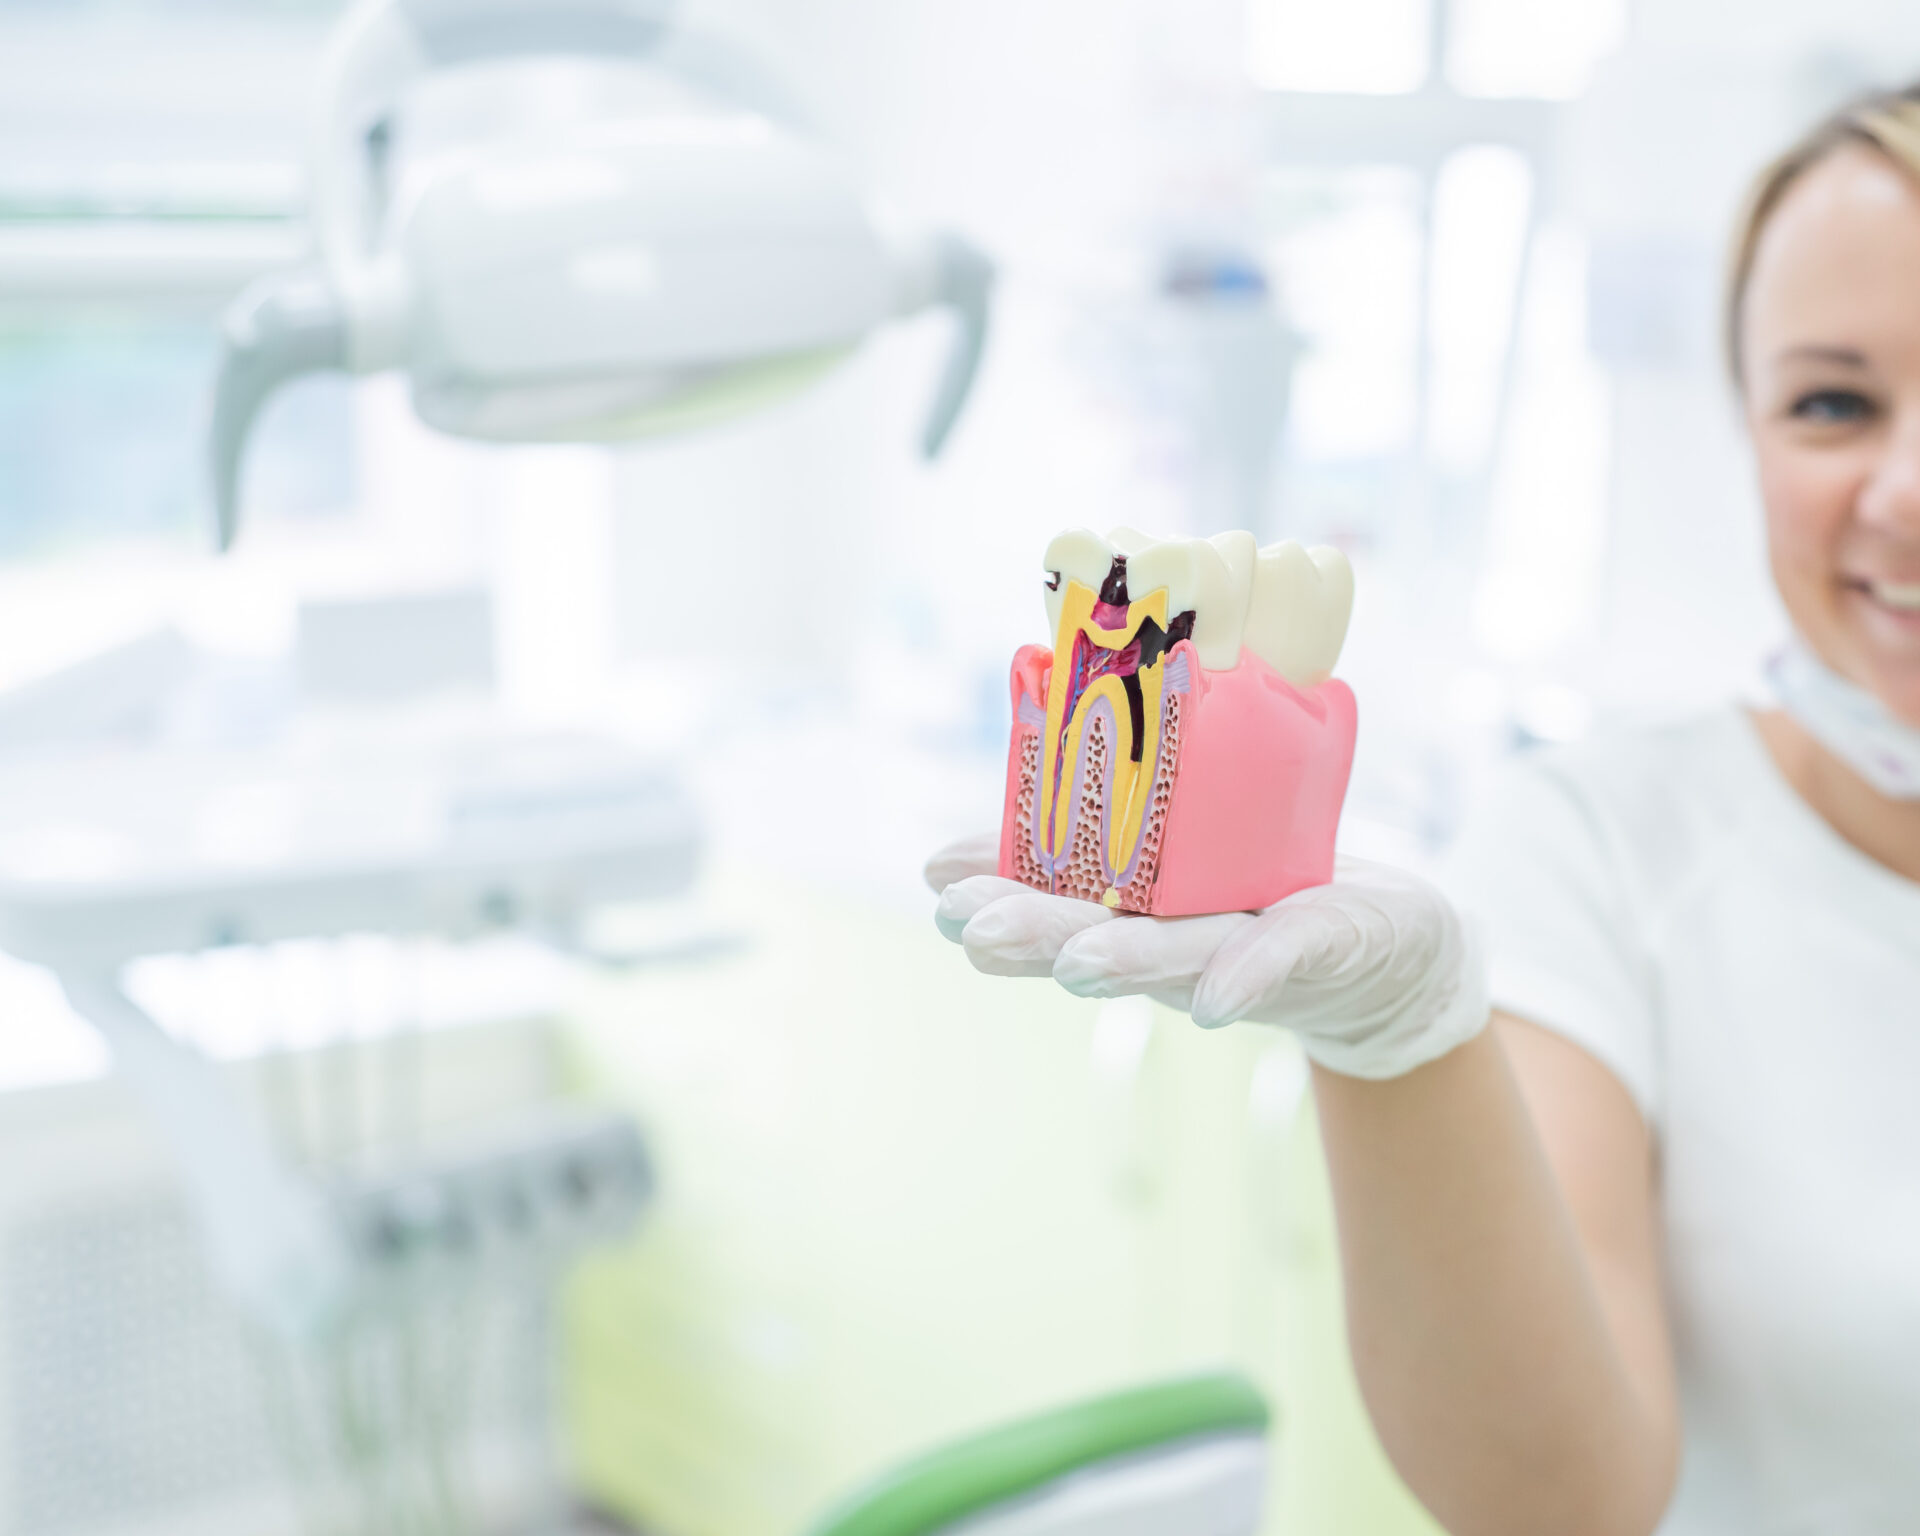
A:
x,y
1155,642
1136,709
1149,644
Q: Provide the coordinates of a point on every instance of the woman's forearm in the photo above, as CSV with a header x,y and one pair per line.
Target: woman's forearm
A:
x,y
1490,1357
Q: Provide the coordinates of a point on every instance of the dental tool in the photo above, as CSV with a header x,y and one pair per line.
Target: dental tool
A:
x,y
1183,747
637,272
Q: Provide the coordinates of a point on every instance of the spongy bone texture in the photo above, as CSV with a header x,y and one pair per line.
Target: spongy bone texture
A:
x,y
1026,867
1086,873
1137,894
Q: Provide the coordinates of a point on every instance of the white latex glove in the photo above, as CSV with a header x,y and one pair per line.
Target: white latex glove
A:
x,y
1376,972
1023,932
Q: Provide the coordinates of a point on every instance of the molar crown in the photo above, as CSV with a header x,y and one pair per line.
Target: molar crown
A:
x,y
1302,600
1286,603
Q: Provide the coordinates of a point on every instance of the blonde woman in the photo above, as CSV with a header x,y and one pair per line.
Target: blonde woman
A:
x,y
1645,1253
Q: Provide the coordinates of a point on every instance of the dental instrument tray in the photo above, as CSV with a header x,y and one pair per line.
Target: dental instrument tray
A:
x,y
107,856
1183,747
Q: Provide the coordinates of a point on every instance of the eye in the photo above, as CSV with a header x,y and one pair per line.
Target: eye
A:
x,y
1832,406
1053,581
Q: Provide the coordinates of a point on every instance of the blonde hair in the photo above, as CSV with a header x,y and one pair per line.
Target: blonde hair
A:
x,y
1888,121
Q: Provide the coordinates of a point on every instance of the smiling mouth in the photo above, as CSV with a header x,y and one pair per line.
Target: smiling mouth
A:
x,y
1901,597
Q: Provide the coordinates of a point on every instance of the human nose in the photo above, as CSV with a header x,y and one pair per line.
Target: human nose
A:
x,y
1890,500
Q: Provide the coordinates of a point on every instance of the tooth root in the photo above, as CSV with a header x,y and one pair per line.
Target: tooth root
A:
x,y
1078,555
1297,620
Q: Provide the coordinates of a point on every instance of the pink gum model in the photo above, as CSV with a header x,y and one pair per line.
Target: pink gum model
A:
x,y
1248,783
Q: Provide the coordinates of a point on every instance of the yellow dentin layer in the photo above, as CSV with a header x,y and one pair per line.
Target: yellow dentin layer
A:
x,y
1132,782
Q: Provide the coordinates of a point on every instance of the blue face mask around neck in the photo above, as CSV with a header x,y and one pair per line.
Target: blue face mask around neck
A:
x,y
1848,721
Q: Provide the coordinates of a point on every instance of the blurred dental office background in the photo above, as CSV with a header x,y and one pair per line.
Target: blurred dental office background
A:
x,y
508,856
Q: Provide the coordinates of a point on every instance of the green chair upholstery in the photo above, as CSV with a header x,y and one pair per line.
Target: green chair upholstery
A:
x,y
1186,1456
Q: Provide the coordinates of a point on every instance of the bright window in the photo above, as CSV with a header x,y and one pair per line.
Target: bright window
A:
x,y
1480,218
1530,48
1375,47
1348,255
1546,527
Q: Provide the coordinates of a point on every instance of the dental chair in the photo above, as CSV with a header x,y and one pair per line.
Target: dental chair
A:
x,y
1186,1457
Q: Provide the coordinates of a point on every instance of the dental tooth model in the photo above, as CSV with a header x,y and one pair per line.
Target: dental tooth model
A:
x,y
1182,748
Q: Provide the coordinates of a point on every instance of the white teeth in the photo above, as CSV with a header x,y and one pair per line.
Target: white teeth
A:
x,y
1197,576
1302,599
1241,554
1904,595
1077,555
1239,551
1287,604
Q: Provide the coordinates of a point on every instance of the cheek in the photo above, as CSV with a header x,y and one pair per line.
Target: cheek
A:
x,y
1809,497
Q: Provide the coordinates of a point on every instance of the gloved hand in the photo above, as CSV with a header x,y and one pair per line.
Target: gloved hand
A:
x,y
1376,972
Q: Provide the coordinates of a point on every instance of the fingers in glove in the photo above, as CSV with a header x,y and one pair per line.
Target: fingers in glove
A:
x,y
1250,968
1021,935
976,855
960,901
1161,956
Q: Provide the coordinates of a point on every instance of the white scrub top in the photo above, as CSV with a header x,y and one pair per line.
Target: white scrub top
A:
x,y
1669,903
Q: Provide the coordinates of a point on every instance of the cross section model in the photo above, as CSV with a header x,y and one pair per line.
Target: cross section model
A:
x,y
1182,748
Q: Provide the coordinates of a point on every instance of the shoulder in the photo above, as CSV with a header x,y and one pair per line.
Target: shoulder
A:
x,y
1656,803
1572,861
1677,767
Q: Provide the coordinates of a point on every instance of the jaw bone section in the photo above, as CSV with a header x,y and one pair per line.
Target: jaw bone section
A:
x,y
1182,672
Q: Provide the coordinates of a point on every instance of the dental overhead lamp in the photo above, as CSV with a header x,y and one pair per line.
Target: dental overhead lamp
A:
x,y
604,278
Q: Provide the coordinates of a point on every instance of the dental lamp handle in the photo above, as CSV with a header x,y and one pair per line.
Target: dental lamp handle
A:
x,y
281,327
961,279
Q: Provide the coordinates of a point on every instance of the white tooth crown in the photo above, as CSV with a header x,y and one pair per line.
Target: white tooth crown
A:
x,y
1287,604
1302,599
1196,576
1078,555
